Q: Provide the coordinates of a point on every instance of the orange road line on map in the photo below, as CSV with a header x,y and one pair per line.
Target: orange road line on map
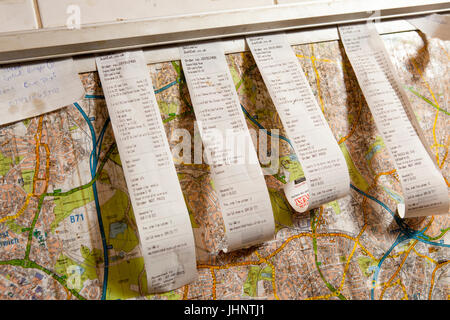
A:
x,y
38,159
274,286
355,125
398,269
385,173
275,252
213,275
435,101
69,294
37,138
446,181
47,165
402,286
279,249
185,292
439,265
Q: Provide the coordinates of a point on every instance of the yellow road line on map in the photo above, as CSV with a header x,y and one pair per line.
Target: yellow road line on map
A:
x,y
320,60
435,101
319,91
398,270
405,294
355,124
275,252
347,265
37,138
433,276
185,292
20,212
424,256
401,285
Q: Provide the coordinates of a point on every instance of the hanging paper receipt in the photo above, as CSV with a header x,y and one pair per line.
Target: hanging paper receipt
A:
x,y
31,89
424,188
162,218
237,175
326,173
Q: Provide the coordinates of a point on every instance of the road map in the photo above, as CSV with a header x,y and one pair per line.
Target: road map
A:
x,y
67,228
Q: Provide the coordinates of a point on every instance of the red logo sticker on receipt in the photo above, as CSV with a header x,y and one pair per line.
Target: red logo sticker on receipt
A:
x,y
297,194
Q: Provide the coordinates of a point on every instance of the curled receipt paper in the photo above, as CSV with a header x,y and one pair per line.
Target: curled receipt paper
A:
x,y
238,178
162,218
326,174
424,188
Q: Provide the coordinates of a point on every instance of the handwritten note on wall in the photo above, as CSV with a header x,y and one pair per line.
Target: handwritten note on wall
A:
x,y
29,90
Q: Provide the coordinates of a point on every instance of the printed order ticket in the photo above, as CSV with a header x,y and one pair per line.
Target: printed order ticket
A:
x,y
323,163
162,218
424,188
238,178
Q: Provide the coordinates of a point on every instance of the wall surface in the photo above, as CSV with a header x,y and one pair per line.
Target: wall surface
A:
x,y
18,15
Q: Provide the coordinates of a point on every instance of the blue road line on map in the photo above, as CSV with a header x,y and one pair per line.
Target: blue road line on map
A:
x,y
167,86
399,239
100,138
373,198
404,228
94,96
439,244
399,222
262,128
93,168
